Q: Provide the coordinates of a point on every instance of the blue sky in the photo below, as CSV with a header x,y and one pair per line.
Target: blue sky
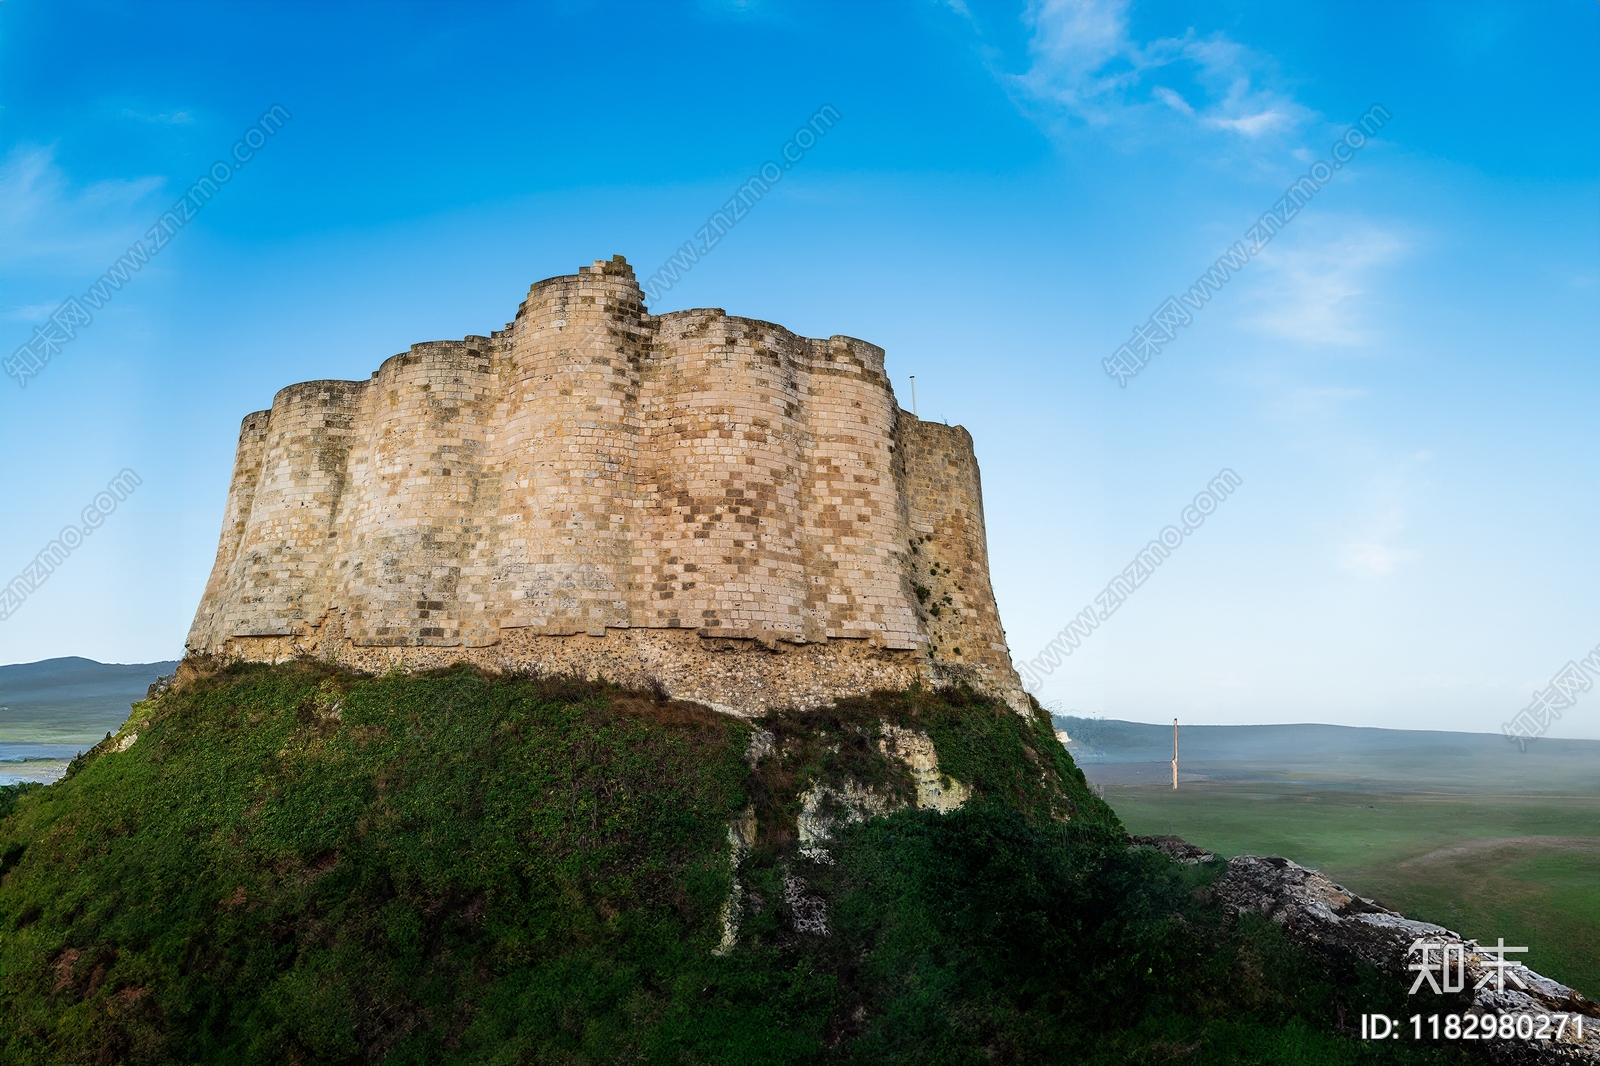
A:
x,y
1404,378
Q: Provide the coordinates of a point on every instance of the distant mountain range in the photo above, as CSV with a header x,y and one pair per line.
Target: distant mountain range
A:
x,y
70,701
1331,754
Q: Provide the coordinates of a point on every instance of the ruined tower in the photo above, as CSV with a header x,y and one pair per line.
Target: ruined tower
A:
x,y
741,514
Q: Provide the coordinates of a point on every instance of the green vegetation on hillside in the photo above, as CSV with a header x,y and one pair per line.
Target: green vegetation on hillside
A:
x,y
292,864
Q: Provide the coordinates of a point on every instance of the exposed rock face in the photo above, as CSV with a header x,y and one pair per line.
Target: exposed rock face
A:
x,y
741,838
935,791
1329,918
714,504
825,808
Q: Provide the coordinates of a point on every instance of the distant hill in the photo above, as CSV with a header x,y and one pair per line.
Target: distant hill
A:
x,y
1334,754
71,700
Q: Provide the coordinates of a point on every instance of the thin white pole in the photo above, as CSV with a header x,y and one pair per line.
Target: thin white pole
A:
x,y
1174,753
914,396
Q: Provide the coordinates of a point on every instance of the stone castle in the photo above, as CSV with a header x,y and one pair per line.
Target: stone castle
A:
x,y
706,504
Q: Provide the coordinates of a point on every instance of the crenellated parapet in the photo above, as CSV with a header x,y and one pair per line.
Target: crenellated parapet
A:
x,y
711,503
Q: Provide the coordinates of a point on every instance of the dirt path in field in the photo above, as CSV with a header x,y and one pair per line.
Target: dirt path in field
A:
x,y
1475,848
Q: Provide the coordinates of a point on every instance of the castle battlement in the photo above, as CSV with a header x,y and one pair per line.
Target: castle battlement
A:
x,y
714,503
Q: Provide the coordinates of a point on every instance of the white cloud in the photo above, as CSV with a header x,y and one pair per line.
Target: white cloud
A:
x,y
1251,125
47,223
1173,100
1086,67
1311,289
1082,57
1232,73
757,9
171,118
1314,401
1374,558
1374,549
30,313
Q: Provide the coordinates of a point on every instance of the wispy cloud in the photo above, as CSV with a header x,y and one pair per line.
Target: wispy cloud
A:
x,y
1311,287
46,222
168,118
1377,557
1231,76
1314,401
1374,547
1085,67
30,313
1173,100
755,10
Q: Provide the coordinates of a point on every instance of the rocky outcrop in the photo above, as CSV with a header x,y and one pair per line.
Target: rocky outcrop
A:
x,y
1330,919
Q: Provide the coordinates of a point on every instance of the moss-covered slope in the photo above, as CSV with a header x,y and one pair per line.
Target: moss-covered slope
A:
x,y
295,865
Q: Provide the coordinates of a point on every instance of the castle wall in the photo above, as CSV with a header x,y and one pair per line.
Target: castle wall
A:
x,y
247,462
413,566
278,583
950,561
570,450
723,547
708,502
854,524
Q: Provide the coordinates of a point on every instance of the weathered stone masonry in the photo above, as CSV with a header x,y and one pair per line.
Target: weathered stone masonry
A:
x,y
713,503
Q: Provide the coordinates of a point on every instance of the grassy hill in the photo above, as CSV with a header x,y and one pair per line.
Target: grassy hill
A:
x,y
290,864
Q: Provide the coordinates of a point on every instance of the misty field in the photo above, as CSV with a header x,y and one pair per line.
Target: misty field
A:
x,y
1461,829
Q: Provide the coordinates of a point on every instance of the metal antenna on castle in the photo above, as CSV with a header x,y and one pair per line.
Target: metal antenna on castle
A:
x,y
1174,753
914,396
